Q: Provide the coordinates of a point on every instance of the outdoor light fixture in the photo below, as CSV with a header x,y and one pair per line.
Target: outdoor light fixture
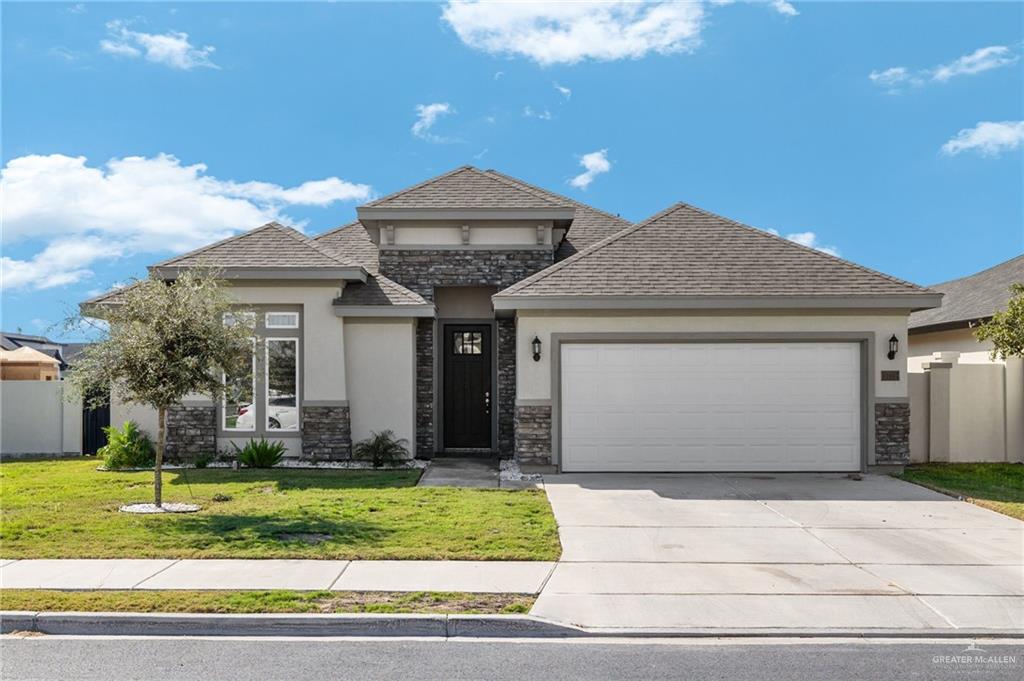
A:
x,y
536,349
894,346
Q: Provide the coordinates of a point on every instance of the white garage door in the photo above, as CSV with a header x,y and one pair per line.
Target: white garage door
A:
x,y
710,407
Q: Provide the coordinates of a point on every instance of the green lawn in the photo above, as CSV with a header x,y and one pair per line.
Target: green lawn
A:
x,y
998,486
68,509
33,600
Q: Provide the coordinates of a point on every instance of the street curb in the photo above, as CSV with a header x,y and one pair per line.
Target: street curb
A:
x,y
432,626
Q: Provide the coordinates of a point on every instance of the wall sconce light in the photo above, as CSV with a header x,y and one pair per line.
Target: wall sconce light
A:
x,y
536,349
894,346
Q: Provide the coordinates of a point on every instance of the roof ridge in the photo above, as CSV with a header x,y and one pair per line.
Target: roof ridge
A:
x,y
592,248
419,185
779,237
980,272
203,249
535,188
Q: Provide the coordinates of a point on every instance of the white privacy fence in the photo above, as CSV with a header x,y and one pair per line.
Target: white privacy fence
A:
x,y
35,420
967,412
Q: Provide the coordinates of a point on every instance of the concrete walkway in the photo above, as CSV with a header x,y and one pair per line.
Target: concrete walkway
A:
x,y
461,472
301,575
675,552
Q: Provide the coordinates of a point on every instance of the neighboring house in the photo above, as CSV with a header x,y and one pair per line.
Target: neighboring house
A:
x,y
13,341
476,313
968,405
27,364
967,302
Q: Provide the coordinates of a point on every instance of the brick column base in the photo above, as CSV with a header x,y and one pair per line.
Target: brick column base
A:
x,y
533,434
326,433
892,433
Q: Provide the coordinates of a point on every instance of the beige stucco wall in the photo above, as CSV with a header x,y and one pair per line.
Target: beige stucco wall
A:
x,y
35,419
977,423
144,417
380,362
323,333
1015,410
923,346
464,302
919,391
534,378
481,233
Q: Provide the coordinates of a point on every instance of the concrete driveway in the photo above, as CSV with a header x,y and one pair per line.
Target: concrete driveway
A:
x,y
786,551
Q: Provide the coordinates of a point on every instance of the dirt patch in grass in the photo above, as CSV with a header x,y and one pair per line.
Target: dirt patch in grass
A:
x,y
326,602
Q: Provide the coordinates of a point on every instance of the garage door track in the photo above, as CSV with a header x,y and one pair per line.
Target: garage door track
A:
x,y
786,551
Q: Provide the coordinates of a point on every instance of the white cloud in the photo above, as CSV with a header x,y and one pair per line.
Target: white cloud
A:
x,y
134,205
809,239
498,75
979,61
983,59
783,7
77,8
569,32
171,49
426,116
564,91
987,138
481,154
595,163
544,115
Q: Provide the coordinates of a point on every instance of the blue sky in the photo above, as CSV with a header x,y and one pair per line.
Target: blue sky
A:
x,y
888,132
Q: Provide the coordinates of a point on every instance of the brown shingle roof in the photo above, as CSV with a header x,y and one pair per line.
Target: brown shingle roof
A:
x,y
466,187
378,290
270,246
972,298
352,243
588,227
686,251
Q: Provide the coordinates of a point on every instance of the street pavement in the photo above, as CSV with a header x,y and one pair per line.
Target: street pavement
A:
x,y
117,659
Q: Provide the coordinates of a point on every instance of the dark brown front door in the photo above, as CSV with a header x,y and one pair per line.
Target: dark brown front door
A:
x,y
467,386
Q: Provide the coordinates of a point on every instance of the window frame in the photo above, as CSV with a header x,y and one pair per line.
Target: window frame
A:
x,y
266,383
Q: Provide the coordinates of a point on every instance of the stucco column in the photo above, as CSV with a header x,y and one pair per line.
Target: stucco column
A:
x,y
938,410
1014,409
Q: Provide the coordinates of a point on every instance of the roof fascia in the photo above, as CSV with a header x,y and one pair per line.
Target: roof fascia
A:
x,y
554,213
404,311
357,273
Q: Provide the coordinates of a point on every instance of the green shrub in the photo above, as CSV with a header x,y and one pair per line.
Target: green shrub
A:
x,y
127,447
203,459
382,449
260,453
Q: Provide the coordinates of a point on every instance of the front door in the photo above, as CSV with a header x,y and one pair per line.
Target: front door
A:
x,y
467,386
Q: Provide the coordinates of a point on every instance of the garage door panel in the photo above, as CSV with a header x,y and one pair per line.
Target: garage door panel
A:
x,y
711,406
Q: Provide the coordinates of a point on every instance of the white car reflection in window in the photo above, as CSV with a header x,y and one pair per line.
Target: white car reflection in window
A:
x,y
282,414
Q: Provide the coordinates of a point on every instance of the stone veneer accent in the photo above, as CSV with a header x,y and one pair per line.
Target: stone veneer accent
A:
x,y
533,434
326,433
506,387
191,430
421,270
892,432
424,388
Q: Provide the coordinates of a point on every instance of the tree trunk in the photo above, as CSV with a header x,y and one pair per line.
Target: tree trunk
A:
x,y
158,482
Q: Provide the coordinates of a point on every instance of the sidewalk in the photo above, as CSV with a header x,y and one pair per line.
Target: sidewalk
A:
x,y
297,575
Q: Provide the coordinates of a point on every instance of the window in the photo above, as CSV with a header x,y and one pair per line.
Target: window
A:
x,y
282,320
231,317
239,404
468,343
282,374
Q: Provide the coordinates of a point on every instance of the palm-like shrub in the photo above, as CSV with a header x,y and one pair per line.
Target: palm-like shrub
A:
x,y
382,449
260,453
127,447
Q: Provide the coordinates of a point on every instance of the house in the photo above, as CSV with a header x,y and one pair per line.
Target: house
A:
x,y
28,364
967,302
477,313
14,341
968,405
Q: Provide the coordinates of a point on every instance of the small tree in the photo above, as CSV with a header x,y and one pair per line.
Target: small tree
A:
x,y
165,340
1006,328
